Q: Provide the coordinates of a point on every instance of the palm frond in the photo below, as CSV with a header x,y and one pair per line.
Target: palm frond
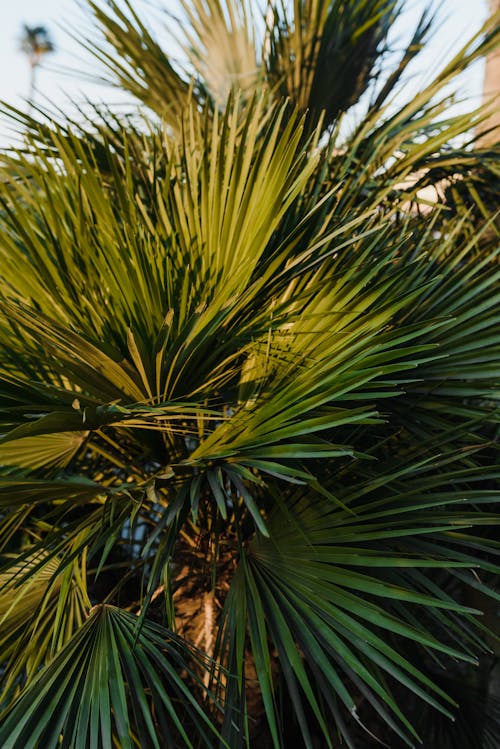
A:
x,y
136,61
221,46
40,609
310,593
81,696
307,51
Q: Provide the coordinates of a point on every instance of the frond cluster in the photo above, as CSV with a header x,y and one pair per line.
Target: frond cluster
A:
x,y
249,385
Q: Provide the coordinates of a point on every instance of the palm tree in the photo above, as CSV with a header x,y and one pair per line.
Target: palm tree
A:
x,y
249,394
36,44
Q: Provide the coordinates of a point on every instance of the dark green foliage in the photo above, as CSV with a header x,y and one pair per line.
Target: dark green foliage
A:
x,y
249,383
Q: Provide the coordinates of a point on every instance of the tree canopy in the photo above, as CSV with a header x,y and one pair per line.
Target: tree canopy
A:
x,y
249,380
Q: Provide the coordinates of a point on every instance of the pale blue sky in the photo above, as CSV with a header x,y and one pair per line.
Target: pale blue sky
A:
x,y
459,20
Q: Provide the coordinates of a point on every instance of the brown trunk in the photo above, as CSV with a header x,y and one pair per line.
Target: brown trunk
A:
x,y
197,614
491,89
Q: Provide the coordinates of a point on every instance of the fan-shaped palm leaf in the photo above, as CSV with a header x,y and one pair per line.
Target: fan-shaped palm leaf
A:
x,y
81,696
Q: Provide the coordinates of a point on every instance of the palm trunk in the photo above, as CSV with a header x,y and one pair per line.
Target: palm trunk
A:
x,y
32,89
491,89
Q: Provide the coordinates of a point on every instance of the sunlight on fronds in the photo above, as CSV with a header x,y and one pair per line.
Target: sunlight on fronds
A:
x,y
249,381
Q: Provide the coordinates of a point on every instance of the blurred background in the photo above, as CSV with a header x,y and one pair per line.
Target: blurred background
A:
x,y
66,70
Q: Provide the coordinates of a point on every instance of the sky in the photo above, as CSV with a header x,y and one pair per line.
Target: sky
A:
x,y
459,19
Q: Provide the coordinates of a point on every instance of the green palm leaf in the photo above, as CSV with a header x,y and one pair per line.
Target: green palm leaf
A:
x,y
81,696
40,609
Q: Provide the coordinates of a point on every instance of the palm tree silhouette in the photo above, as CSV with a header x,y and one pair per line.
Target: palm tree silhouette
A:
x,y
35,43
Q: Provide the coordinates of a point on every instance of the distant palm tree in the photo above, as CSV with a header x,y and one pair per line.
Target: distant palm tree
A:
x,y
35,43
